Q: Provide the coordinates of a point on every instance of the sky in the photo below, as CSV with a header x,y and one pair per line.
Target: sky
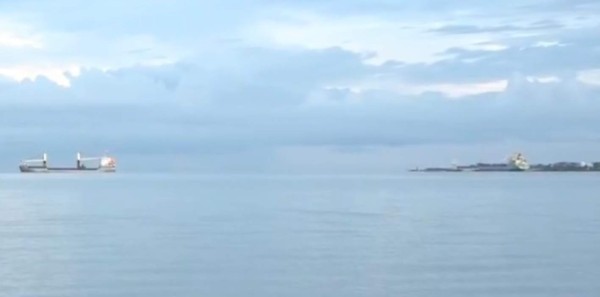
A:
x,y
293,86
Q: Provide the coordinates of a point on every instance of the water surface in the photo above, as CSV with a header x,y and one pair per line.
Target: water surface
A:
x,y
494,234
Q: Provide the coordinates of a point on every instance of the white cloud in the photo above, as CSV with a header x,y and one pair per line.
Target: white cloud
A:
x,y
61,55
451,90
591,76
487,46
386,40
543,79
462,90
18,35
8,39
548,44
60,75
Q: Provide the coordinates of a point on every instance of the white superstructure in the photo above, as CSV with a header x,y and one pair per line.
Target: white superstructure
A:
x,y
518,162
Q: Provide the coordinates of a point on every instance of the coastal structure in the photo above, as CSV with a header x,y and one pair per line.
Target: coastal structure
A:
x,y
517,162
98,164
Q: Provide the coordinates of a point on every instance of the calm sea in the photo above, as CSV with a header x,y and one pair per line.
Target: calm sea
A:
x,y
494,234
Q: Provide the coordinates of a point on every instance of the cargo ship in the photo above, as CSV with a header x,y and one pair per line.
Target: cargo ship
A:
x,y
104,164
516,162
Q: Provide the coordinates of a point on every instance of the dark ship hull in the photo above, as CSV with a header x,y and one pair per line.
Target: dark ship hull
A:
x,y
41,169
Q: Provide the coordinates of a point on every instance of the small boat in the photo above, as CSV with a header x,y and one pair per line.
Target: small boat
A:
x,y
105,164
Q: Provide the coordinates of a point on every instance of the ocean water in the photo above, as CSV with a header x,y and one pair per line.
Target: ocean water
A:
x,y
491,234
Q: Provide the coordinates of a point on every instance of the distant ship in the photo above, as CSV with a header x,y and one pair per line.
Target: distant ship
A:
x,y
104,164
516,162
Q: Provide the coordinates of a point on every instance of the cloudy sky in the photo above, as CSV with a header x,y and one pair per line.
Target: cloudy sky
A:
x,y
350,86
